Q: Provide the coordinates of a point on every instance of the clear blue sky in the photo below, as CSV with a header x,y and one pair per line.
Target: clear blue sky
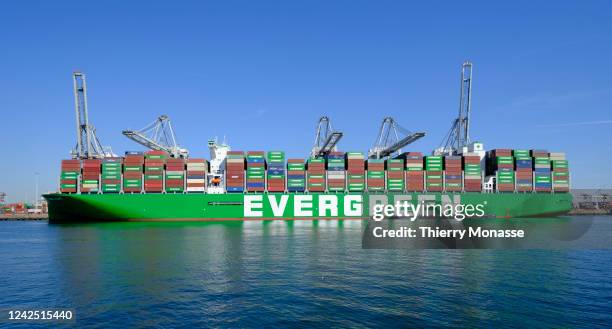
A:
x,y
262,73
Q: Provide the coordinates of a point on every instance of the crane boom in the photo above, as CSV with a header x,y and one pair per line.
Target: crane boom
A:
x,y
326,138
88,145
458,136
389,141
158,135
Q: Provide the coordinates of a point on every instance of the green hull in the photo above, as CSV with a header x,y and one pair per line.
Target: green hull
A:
x,y
67,208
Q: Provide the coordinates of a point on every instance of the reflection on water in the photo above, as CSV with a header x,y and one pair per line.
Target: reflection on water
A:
x,y
292,273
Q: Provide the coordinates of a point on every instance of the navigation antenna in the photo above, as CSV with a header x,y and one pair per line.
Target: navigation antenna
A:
x,y
389,141
325,139
459,135
158,135
88,145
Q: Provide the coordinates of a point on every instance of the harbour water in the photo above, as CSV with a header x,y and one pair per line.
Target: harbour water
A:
x,y
283,273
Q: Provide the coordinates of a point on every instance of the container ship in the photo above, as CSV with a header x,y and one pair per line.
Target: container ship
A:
x,y
165,184
238,185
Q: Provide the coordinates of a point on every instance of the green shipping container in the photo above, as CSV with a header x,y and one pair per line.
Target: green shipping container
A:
x,y
505,160
521,153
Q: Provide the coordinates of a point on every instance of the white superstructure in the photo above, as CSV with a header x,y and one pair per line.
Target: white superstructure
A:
x,y
216,176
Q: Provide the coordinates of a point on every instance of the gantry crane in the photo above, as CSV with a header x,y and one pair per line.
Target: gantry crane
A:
x,y
88,145
389,142
158,135
325,139
458,136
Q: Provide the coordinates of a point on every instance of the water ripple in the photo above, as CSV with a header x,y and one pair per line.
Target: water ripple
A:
x,y
303,274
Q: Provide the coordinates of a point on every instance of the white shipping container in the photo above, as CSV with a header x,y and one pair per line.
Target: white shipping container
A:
x,y
196,165
172,172
557,156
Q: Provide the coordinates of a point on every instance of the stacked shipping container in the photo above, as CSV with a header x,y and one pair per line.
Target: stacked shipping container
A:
x,y
196,175
433,173
336,175
316,175
255,171
414,172
69,176
376,175
453,174
154,162
90,181
501,164
175,175
296,175
472,173
234,172
132,172
524,170
355,170
515,170
560,172
395,175
276,171
111,175
541,167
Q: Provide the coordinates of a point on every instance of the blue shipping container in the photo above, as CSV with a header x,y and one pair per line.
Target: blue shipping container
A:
x,y
523,163
275,172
